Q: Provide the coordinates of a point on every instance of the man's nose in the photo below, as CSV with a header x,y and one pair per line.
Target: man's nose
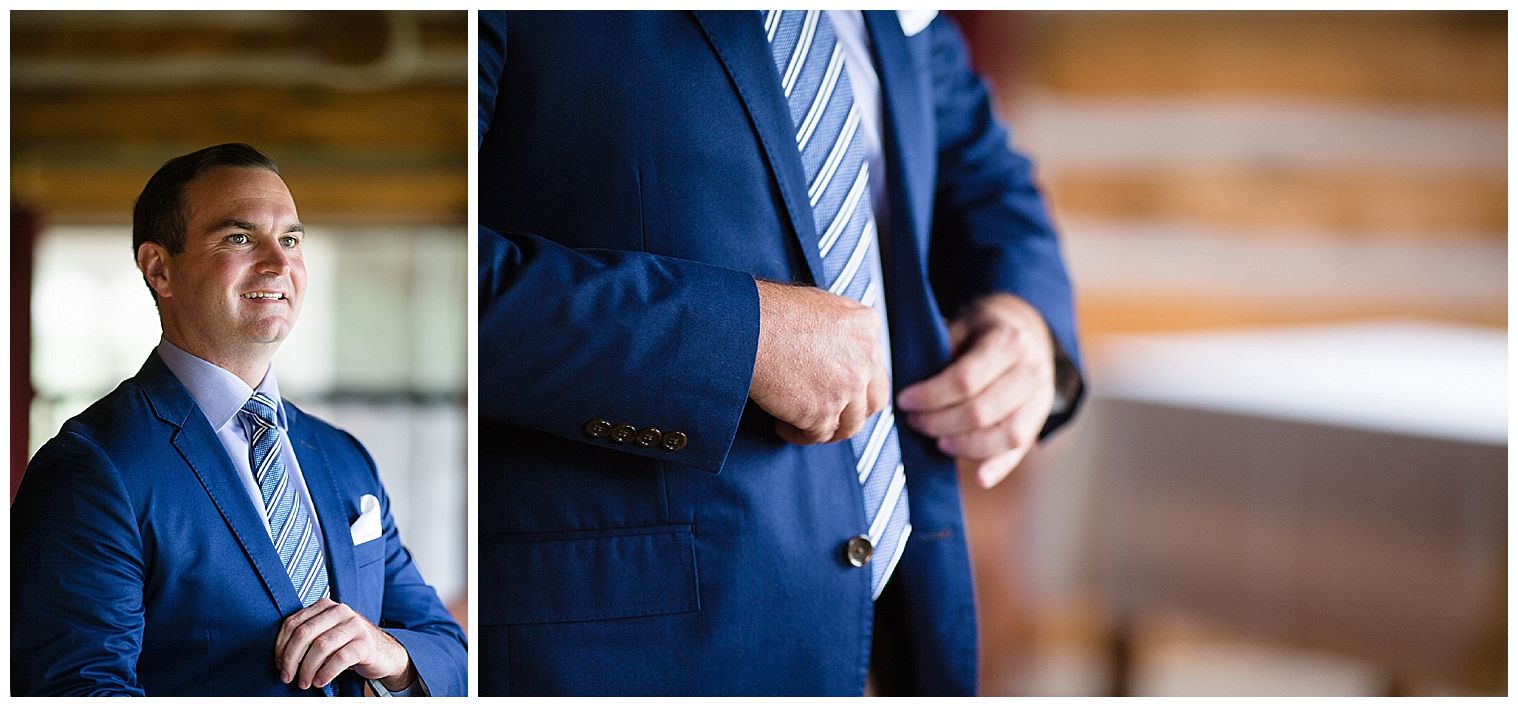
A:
x,y
273,258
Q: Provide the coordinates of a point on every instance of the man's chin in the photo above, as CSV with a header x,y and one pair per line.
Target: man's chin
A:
x,y
269,333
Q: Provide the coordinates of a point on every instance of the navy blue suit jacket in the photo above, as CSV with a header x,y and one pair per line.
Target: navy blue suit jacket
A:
x,y
637,171
139,565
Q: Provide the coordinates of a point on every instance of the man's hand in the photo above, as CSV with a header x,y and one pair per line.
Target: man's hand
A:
x,y
987,407
326,638
820,369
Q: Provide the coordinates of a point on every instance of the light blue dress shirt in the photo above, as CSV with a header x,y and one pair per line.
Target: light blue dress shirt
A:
x,y
220,394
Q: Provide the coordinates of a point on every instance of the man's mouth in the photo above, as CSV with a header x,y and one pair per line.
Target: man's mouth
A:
x,y
263,295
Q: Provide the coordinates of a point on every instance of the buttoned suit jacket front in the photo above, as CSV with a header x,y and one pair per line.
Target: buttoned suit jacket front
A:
x,y
637,172
140,565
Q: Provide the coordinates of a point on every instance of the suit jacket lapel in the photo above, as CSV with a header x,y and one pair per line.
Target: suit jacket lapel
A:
x,y
207,459
910,141
331,507
907,134
738,39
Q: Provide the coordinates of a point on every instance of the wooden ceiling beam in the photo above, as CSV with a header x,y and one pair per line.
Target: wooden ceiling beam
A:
x,y
422,117
105,192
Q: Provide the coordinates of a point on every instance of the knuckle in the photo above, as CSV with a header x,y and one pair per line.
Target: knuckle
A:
x,y
348,654
966,446
979,414
817,422
962,382
326,642
828,408
839,400
861,377
1016,436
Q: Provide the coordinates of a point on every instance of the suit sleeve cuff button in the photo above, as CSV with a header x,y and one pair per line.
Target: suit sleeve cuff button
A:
x,y
623,433
597,428
673,441
648,437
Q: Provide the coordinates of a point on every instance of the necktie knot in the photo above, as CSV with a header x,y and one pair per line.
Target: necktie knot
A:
x,y
261,407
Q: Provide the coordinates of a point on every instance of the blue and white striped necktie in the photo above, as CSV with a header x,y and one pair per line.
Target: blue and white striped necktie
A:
x,y
815,80
294,535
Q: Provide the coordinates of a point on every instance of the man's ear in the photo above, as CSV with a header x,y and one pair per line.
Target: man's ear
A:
x,y
153,262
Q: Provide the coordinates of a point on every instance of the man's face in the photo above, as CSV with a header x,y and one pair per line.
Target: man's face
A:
x,y
237,286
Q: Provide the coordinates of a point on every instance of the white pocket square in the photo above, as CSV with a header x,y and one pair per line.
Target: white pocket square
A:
x,y
914,21
367,527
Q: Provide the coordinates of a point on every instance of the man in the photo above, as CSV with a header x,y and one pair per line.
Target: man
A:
x,y
696,476
193,534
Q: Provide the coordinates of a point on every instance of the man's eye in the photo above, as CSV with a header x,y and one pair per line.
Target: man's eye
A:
x,y
289,241
237,238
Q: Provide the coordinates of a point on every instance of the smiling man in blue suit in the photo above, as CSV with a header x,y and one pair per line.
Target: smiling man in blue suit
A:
x,y
752,286
193,534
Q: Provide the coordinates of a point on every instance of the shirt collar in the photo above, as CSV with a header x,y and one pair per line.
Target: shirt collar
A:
x,y
218,392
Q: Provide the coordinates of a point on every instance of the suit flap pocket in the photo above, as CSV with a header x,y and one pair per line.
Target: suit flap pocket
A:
x,y
584,576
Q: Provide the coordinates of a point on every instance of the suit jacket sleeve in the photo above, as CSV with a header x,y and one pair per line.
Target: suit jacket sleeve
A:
x,y
567,336
76,576
991,232
412,613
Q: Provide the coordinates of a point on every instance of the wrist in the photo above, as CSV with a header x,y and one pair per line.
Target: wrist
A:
x,y
402,680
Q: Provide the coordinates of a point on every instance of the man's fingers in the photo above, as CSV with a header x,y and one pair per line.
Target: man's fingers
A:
x,y
344,657
1028,419
1018,431
298,631
797,435
987,358
983,443
878,394
296,619
850,420
870,401
990,472
322,649
991,406
959,331
305,634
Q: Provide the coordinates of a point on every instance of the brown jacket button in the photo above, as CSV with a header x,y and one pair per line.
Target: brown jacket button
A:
x,y
597,428
622,433
673,441
648,437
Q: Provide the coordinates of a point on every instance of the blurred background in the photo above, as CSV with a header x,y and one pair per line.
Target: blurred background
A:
x,y
366,114
1288,234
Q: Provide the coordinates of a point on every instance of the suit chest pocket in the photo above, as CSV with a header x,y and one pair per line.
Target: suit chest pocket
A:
x,y
369,567
368,553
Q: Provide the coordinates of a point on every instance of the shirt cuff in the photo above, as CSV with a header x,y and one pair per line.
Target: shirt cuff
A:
x,y
416,689
1067,381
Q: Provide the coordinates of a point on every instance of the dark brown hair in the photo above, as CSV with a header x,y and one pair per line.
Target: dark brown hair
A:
x,y
159,215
